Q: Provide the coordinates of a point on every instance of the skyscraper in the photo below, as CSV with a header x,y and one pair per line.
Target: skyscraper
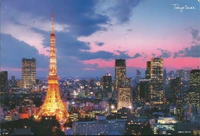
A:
x,y
148,70
175,88
120,72
180,73
13,81
28,72
171,74
3,79
138,74
187,75
53,105
124,97
165,75
195,80
107,83
143,89
155,73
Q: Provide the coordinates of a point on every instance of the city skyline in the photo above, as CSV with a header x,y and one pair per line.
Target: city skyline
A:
x,y
92,34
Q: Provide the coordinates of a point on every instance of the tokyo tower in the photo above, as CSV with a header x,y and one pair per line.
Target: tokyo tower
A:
x,y
53,105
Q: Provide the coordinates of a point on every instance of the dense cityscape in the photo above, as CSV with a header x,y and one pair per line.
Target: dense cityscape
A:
x,y
160,102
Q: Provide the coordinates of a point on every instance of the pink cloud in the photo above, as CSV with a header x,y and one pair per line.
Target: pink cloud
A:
x,y
176,63
182,62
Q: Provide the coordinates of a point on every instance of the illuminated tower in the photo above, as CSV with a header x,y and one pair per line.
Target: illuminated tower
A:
x,y
53,105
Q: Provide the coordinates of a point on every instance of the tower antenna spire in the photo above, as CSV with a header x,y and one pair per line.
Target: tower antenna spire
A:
x,y
52,23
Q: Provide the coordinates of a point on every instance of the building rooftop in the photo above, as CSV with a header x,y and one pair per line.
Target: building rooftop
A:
x,y
104,121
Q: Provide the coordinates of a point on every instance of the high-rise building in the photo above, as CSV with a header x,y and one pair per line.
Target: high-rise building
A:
x,y
148,70
195,80
28,72
128,82
92,83
171,74
107,83
194,94
138,74
120,72
3,79
13,82
155,73
165,74
143,89
53,105
187,75
124,97
192,98
175,90
181,74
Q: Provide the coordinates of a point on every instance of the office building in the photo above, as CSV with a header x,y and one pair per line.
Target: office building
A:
x,y
156,70
192,98
124,113
92,83
99,127
165,75
128,82
13,82
124,97
138,74
195,80
181,74
187,75
155,73
107,83
175,88
120,73
171,74
28,73
3,79
143,90
148,70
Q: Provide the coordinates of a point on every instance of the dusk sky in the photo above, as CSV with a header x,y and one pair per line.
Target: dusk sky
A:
x,y
91,34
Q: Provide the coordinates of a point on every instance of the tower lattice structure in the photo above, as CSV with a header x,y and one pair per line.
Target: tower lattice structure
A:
x,y
53,105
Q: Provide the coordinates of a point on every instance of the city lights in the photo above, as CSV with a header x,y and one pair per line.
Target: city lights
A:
x,y
123,67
